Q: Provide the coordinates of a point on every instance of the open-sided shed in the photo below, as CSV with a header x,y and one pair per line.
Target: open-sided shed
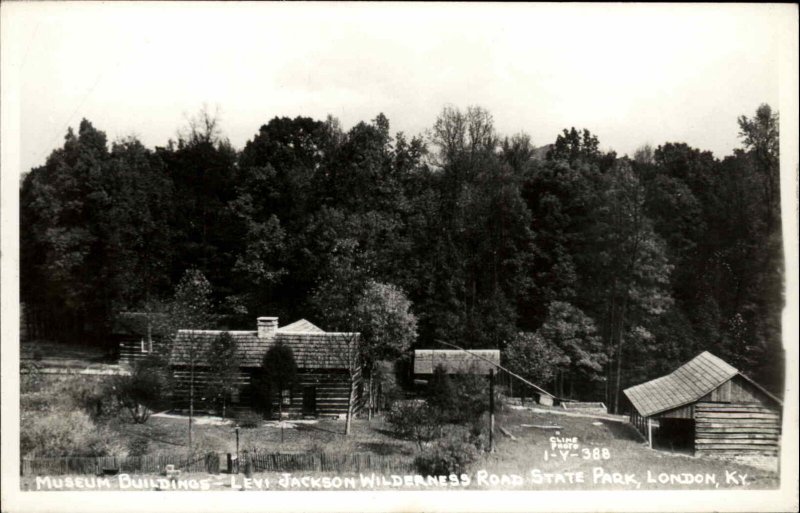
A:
x,y
716,408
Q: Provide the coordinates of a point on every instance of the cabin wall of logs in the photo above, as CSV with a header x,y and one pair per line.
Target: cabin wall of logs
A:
x,y
318,392
734,428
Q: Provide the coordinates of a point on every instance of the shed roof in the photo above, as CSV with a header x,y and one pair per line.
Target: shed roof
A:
x,y
312,349
475,361
300,326
683,386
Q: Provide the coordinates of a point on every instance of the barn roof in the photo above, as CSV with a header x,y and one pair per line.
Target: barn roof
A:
x,y
476,361
683,386
300,326
312,349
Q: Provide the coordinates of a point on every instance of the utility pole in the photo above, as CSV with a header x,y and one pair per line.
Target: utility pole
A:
x,y
491,410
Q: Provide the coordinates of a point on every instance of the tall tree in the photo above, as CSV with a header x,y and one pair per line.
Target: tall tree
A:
x,y
631,270
223,371
189,312
761,138
336,302
387,327
575,335
534,358
205,232
280,369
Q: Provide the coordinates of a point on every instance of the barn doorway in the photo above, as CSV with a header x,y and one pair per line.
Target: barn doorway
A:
x,y
310,400
675,435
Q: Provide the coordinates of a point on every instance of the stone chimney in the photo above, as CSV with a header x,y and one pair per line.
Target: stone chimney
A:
x,y
267,326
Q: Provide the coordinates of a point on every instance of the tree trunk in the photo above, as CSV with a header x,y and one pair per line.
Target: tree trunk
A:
x,y
370,392
350,401
191,404
149,334
620,339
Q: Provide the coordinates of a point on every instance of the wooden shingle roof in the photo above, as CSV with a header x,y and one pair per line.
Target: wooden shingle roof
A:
x,y
685,385
476,361
312,349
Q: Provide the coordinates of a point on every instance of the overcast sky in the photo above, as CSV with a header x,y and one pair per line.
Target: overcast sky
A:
x,y
632,74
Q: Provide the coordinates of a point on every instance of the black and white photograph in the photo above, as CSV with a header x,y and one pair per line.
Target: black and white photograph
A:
x,y
399,256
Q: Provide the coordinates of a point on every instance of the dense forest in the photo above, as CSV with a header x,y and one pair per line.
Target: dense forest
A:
x,y
601,270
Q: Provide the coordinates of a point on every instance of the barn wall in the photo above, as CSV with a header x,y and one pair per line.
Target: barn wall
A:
x,y
738,390
731,428
684,412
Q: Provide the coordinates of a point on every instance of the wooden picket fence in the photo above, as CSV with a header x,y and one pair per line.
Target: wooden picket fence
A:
x,y
210,463
322,462
131,464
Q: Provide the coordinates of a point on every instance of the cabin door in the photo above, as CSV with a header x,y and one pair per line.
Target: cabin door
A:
x,y
310,400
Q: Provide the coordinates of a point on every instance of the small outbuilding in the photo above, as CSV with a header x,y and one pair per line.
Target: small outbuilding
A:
x,y
455,361
709,407
138,335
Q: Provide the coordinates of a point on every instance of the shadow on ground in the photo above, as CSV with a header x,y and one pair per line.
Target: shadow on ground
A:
x,y
622,431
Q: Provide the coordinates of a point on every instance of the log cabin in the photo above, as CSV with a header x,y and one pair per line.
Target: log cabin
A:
x,y
707,406
324,375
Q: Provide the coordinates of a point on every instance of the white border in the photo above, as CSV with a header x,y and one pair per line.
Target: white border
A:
x,y
784,499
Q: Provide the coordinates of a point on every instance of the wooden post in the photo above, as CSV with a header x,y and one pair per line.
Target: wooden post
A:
x,y
491,410
649,432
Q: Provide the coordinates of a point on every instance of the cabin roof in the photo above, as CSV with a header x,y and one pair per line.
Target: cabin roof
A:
x,y
685,385
312,349
473,361
300,326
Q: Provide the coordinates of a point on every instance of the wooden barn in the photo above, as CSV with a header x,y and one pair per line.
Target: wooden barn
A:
x,y
709,407
323,380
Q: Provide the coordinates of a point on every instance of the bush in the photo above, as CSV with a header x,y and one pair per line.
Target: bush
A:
x,y
63,434
138,446
460,398
97,398
145,389
415,420
249,419
448,456
389,389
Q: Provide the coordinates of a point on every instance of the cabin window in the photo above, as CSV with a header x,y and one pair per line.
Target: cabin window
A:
x,y
144,346
286,397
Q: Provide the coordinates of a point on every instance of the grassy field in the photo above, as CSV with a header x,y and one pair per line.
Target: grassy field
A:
x,y
171,433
